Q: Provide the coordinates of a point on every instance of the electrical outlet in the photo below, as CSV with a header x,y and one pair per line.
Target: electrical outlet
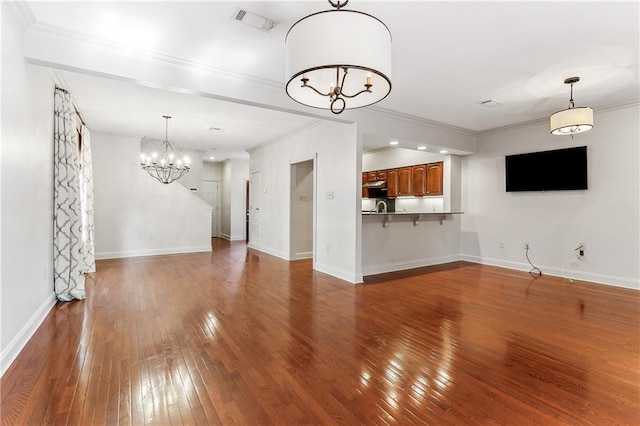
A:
x,y
580,250
526,245
501,244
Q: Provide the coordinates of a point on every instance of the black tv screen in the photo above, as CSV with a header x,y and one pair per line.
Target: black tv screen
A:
x,y
557,170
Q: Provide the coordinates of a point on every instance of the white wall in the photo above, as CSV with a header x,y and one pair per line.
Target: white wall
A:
x,y
337,172
211,171
193,179
135,215
239,177
390,158
234,175
26,194
405,245
605,216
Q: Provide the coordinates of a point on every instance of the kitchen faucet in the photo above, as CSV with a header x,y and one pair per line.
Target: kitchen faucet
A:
x,y
384,206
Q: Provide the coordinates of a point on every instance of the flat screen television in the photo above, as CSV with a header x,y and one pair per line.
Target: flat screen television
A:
x,y
557,170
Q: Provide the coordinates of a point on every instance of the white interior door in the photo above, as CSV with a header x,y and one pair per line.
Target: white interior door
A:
x,y
210,193
254,208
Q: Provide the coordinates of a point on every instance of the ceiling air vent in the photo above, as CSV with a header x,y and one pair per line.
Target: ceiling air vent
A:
x,y
253,20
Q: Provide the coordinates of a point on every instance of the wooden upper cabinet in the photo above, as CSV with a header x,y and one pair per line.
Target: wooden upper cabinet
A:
x,y
404,181
435,178
419,180
392,183
365,179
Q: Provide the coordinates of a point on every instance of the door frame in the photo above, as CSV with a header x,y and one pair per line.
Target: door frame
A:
x,y
218,202
314,163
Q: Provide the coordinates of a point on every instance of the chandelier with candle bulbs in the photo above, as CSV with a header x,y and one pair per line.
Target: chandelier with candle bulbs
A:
x,y
165,166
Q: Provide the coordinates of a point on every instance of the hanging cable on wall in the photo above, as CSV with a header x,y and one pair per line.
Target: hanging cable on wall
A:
x,y
535,271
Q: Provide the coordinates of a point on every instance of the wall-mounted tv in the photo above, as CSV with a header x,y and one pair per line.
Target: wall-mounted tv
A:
x,y
557,170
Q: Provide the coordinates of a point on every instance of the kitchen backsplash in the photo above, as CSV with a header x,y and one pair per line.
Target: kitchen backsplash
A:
x,y
410,204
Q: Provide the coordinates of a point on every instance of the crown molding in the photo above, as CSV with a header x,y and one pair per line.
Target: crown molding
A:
x,y
58,77
414,119
51,31
616,107
22,12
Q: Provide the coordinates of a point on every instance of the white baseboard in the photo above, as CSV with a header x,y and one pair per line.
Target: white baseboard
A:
x,y
267,250
402,266
338,273
151,252
233,237
557,272
11,352
304,255
352,278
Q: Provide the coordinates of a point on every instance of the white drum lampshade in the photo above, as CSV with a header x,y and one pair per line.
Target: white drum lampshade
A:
x,y
571,121
320,47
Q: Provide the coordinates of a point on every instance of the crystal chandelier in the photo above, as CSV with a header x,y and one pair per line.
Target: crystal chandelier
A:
x,y
165,167
338,55
572,120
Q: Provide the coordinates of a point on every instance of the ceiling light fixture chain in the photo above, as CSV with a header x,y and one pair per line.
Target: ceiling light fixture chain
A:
x,y
166,168
313,61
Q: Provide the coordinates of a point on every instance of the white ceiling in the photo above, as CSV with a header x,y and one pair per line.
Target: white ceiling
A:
x,y
448,57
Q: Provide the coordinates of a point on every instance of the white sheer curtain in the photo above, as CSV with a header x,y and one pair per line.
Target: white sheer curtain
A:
x,y
69,222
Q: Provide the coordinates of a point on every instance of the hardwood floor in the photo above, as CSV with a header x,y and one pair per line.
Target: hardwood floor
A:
x,y
240,337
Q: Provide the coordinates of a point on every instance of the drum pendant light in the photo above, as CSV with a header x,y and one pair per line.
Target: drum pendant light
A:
x,y
338,59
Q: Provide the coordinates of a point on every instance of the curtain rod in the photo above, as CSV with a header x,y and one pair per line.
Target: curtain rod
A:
x,y
74,105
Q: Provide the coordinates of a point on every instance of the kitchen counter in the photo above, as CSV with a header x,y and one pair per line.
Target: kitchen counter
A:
x,y
367,213
416,216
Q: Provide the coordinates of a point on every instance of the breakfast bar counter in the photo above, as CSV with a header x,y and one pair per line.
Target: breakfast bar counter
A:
x,y
397,241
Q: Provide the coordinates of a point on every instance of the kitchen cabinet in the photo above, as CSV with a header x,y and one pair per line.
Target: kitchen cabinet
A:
x,y
419,180
365,179
392,183
434,178
404,181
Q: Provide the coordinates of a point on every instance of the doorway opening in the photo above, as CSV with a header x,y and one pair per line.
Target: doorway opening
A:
x,y
247,188
302,208
211,195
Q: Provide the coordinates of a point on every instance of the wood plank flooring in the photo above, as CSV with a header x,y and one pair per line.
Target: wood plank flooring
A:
x,y
240,337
